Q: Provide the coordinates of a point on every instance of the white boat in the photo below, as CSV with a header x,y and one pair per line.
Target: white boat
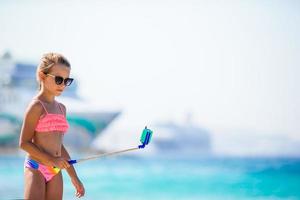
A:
x,y
169,139
18,86
180,140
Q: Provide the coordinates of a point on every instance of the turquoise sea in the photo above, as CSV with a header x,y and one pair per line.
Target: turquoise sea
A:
x,y
158,178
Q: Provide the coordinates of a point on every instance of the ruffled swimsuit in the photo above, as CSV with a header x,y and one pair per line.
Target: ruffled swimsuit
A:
x,y
50,122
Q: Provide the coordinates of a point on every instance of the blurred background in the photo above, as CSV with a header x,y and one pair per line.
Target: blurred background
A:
x,y
216,81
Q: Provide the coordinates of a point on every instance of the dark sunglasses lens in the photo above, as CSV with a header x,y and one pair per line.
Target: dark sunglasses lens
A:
x,y
68,81
59,80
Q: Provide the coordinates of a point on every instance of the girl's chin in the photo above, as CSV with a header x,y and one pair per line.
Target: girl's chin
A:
x,y
58,93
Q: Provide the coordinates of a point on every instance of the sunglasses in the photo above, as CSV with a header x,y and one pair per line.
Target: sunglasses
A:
x,y
59,80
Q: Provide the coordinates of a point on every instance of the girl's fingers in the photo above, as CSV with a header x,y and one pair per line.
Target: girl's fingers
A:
x,y
79,190
78,194
61,166
66,165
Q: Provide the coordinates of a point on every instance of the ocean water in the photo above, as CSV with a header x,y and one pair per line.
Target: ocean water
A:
x,y
160,179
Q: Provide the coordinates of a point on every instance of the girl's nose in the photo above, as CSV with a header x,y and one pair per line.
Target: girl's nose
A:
x,y
62,86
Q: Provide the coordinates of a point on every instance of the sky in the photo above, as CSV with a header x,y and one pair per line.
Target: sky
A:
x,y
232,65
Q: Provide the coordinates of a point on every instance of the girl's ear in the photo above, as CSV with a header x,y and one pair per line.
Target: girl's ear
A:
x,y
42,76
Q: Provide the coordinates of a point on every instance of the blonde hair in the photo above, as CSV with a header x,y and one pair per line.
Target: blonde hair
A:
x,y
48,60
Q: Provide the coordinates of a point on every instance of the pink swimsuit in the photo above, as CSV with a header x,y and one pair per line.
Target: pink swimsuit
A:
x,y
50,122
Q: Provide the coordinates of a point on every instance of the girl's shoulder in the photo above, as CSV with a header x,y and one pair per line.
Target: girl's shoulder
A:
x,y
62,106
35,107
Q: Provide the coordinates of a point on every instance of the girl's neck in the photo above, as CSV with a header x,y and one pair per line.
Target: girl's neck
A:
x,y
46,97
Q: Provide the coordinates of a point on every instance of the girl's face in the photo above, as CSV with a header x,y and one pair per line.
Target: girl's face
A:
x,y
50,83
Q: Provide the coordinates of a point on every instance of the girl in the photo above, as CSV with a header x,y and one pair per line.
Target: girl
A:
x,y
42,133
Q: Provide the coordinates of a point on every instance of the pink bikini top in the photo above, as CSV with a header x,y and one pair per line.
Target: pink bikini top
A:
x,y
52,122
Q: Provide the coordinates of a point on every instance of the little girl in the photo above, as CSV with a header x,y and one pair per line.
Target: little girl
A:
x,y
42,133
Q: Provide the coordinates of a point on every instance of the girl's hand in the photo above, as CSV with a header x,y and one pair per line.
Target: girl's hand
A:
x,y
59,162
79,187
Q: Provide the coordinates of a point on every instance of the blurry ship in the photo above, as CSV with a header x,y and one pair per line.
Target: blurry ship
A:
x,y
185,139
18,86
180,140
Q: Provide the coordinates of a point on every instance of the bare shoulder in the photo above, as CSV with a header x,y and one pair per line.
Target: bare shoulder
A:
x,y
34,109
32,115
63,107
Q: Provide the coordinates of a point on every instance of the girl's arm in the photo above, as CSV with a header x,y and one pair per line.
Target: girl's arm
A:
x,y
72,173
71,170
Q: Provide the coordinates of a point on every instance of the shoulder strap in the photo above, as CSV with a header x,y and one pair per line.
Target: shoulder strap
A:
x,y
60,108
43,105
